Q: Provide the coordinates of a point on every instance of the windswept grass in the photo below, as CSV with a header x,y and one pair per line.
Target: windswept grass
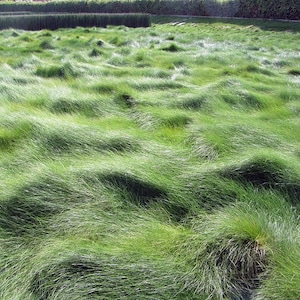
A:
x,y
150,163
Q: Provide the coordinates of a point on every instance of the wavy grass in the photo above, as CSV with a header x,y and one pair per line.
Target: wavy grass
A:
x,y
150,163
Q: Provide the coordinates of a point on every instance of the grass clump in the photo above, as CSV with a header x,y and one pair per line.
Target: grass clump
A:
x,y
13,133
233,249
95,52
171,48
46,45
65,71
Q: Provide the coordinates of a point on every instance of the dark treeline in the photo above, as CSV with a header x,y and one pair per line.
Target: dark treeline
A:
x,y
271,9
158,7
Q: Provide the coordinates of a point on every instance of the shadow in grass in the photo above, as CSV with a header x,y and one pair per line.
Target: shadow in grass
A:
x,y
294,72
176,121
171,48
140,192
196,102
107,277
62,141
69,106
57,71
28,211
20,217
269,173
125,100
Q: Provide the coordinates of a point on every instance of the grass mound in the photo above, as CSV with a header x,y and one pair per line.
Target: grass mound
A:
x,y
209,191
232,251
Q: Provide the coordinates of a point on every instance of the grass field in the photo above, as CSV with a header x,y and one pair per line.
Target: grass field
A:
x,y
151,163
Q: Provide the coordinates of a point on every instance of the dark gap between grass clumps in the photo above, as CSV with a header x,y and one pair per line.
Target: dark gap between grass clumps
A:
x,y
19,216
125,100
144,194
138,191
67,141
28,211
106,277
171,48
294,72
68,106
57,71
176,121
264,172
196,102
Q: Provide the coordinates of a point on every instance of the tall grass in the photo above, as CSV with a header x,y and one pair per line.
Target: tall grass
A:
x,y
150,163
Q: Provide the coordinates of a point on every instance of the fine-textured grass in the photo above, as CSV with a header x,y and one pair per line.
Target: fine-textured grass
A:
x,y
150,163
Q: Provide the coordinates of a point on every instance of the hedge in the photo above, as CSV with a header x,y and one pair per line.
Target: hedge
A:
x,y
55,21
271,9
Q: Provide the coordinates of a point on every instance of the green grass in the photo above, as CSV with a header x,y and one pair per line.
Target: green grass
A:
x,y
150,163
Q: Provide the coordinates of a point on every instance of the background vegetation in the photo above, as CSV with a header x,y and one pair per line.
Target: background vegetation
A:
x,y
274,9
56,21
150,163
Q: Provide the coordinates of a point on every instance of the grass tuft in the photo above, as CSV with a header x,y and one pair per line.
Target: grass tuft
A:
x,y
171,48
65,71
